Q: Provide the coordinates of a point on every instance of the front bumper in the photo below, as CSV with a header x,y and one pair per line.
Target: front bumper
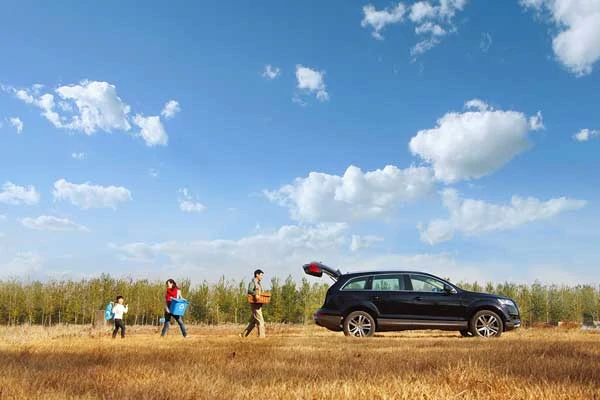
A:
x,y
328,319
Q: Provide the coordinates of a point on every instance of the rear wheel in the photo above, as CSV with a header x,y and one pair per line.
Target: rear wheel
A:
x,y
359,324
486,323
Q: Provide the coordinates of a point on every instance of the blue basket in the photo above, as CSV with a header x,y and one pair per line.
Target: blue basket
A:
x,y
178,306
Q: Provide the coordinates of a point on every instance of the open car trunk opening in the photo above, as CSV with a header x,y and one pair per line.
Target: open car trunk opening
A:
x,y
317,269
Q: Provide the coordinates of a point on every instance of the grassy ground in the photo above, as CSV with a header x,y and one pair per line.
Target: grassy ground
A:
x,y
296,362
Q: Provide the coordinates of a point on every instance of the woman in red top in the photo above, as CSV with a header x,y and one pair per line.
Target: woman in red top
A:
x,y
173,292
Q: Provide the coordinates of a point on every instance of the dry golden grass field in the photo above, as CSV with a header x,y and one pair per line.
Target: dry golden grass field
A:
x,y
296,362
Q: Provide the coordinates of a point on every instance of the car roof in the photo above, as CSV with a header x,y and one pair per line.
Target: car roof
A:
x,y
386,272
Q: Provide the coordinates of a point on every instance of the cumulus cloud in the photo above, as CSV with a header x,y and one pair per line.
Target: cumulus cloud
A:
x,y
94,106
78,156
18,195
17,124
23,264
312,81
87,196
485,42
362,242
171,108
356,195
473,144
586,134
271,72
475,217
577,41
283,251
187,202
51,223
432,20
379,19
151,130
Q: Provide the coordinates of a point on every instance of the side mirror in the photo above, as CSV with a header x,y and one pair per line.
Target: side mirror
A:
x,y
449,289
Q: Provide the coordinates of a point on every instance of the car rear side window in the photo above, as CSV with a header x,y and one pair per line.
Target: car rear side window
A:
x,y
388,282
357,284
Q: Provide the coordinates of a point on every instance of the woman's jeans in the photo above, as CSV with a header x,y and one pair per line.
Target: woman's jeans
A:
x,y
168,323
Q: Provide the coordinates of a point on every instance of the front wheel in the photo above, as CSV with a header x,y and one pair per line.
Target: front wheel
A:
x,y
486,323
359,324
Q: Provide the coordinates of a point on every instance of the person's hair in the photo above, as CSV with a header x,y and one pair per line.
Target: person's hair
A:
x,y
172,281
119,297
258,271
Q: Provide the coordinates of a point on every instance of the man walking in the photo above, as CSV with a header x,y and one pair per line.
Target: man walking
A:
x,y
256,319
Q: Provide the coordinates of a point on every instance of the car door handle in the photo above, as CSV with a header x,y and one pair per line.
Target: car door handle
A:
x,y
375,298
418,298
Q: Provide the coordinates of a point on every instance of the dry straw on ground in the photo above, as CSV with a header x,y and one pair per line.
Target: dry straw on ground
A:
x,y
296,362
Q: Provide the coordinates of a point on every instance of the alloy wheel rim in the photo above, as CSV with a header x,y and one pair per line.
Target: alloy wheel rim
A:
x,y
487,325
359,326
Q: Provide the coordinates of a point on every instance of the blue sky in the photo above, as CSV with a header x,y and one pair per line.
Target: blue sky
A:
x,y
282,120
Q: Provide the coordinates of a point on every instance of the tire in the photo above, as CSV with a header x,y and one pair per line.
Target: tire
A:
x,y
486,324
466,333
359,324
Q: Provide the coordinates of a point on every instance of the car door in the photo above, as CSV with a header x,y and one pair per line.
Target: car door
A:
x,y
388,293
430,301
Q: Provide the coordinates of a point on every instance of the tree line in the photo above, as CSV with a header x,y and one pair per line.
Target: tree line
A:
x,y
76,302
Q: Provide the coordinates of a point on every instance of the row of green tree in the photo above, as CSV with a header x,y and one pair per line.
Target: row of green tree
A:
x,y
77,302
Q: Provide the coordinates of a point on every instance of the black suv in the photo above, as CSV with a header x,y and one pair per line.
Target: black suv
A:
x,y
360,303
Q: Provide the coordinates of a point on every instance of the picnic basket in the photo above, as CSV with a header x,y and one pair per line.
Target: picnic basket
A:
x,y
263,298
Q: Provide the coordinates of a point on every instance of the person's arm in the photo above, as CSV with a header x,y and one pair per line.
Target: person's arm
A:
x,y
252,288
179,293
125,309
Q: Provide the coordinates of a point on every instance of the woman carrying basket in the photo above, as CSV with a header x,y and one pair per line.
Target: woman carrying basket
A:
x,y
173,292
256,319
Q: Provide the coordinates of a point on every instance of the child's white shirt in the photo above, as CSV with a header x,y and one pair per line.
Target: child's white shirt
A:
x,y
119,310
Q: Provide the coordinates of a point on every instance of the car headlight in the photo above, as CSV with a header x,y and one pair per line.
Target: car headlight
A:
x,y
506,302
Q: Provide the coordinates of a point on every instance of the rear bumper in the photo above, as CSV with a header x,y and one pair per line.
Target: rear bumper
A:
x,y
328,319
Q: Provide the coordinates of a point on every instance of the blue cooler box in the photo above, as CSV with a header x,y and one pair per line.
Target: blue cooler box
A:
x,y
178,306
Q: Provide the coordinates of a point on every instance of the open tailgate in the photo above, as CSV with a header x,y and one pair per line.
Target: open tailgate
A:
x,y
316,268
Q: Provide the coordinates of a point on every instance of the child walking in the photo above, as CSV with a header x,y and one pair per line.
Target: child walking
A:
x,y
119,309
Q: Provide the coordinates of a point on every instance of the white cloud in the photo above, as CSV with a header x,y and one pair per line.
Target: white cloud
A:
x,y
362,242
536,122
17,195
87,196
586,134
17,124
271,72
378,19
187,203
475,217
171,108
23,264
50,223
79,156
98,105
577,42
474,143
432,20
152,130
485,42
312,81
153,173
321,197
284,251
93,106
422,10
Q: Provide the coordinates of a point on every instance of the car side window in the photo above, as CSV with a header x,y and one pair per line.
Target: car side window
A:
x,y
422,283
356,284
388,282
